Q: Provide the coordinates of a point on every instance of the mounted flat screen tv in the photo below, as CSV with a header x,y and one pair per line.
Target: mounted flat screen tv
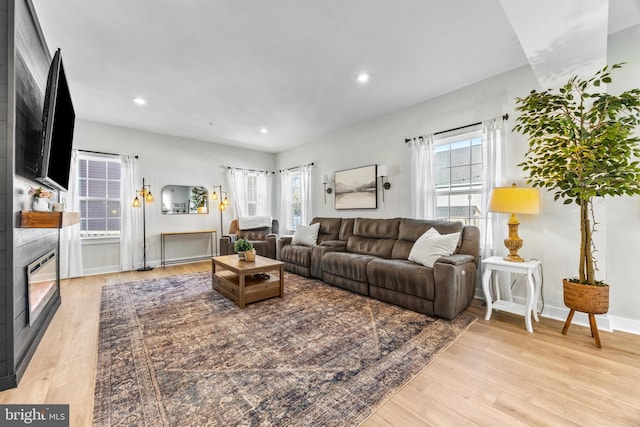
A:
x,y
58,120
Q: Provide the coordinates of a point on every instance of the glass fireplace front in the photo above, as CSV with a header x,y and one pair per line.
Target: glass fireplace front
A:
x,y
42,277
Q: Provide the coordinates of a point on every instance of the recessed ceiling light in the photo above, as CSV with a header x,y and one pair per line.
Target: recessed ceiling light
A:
x,y
139,101
362,78
264,130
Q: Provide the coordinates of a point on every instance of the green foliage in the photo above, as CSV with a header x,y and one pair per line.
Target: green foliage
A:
x,y
242,245
199,196
582,145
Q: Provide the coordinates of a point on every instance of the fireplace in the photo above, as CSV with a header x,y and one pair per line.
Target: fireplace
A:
x,y
42,283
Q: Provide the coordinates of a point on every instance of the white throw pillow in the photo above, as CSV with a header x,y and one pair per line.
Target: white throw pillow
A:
x,y
432,245
306,235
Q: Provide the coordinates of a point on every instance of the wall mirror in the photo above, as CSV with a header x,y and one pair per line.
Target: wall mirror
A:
x,y
184,199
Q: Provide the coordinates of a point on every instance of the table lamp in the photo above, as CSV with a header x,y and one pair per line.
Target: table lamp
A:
x,y
514,200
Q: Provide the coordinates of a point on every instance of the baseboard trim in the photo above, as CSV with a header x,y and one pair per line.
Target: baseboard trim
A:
x,y
100,270
606,322
582,319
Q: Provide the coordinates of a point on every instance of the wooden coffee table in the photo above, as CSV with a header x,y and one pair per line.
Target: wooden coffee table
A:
x,y
237,280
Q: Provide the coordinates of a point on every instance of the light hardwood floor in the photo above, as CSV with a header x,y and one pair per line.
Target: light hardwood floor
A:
x,y
495,374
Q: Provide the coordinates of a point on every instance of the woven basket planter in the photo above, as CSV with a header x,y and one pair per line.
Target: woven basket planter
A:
x,y
249,255
585,298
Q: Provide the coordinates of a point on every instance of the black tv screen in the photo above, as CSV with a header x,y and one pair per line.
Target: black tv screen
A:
x,y
58,120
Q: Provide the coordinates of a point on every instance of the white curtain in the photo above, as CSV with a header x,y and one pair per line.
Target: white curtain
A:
x,y
423,178
286,197
493,139
130,238
70,245
305,194
285,202
237,182
265,193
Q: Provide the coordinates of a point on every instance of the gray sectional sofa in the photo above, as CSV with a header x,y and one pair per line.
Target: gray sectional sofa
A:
x,y
370,256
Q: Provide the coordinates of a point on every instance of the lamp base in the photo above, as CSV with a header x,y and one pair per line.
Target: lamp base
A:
x,y
513,258
145,268
513,242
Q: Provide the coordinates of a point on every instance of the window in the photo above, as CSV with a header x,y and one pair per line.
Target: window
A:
x,y
458,163
296,199
99,195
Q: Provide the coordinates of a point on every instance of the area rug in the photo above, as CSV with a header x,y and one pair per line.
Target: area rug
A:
x,y
174,352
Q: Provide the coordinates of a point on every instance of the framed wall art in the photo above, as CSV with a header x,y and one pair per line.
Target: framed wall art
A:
x,y
356,188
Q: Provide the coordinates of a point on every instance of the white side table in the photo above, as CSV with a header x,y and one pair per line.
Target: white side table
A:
x,y
529,268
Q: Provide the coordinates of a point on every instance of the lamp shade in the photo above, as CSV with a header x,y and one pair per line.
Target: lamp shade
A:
x,y
382,170
515,200
325,179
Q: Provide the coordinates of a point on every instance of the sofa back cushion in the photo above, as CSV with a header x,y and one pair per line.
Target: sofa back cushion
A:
x,y
329,228
346,229
411,229
471,242
376,247
254,233
373,236
376,228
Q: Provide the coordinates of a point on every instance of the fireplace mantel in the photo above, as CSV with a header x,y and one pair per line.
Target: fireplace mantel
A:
x,y
34,219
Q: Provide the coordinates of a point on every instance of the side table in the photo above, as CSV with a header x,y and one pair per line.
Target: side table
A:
x,y
534,283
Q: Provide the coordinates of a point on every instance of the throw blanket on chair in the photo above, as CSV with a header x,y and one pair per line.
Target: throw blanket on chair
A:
x,y
250,222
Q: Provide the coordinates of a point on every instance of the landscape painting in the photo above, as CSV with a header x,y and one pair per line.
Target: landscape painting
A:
x,y
356,188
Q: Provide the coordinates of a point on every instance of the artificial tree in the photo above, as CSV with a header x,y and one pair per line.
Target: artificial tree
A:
x,y
582,145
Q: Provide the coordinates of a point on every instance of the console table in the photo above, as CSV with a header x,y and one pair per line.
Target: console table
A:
x,y
532,271
214,241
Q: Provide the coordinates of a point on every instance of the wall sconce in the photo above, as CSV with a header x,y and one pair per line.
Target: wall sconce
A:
x,y
147,197
325,181
224,202
382,174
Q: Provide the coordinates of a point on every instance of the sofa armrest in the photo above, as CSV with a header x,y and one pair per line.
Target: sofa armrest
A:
x,y
456,259
272,243
226,244
282,242
454,284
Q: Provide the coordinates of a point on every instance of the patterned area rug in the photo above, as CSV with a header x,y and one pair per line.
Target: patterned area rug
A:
x,y
173,352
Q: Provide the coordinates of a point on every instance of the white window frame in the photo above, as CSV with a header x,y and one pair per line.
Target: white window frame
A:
x,y
473,189
85,233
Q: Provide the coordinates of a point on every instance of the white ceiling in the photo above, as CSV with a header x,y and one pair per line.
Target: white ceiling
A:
x,y
219,70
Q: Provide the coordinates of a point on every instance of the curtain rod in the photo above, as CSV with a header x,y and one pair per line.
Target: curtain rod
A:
x,y
406,140
296,167
249,170
103,153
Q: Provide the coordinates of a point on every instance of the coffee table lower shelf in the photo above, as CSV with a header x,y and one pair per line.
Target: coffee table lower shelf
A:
x,y
228,284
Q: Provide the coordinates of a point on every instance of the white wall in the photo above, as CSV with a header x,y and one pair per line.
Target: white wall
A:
x,y
622,217
166,160
552,237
